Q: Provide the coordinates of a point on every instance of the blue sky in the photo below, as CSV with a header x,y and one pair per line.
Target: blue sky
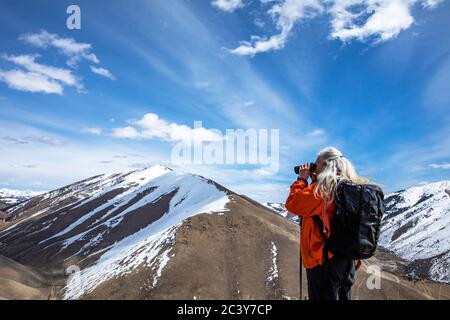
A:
x,y
370,77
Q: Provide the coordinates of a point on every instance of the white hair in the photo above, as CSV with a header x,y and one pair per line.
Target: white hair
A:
x,y
336,168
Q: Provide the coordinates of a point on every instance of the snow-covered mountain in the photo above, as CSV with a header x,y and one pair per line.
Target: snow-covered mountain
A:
x,y
281,210
161,234
152,233
416,227
9,196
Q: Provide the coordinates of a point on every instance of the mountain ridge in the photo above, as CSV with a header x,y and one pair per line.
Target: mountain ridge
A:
x,y
160,234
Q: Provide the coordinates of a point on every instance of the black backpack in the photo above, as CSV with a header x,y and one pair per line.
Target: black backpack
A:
x,y
355,228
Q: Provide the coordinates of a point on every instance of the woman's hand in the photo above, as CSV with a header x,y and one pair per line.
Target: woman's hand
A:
x,y
303,171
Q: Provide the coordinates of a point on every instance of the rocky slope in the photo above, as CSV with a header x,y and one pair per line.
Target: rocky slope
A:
x,y
416,227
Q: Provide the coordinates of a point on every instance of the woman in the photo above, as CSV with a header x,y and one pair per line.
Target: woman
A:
x,y
328,278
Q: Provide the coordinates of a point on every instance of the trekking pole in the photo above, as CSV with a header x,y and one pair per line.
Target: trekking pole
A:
x,y
301,266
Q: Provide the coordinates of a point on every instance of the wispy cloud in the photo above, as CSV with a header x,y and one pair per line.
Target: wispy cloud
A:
x,y
141,165
378,20
152,127
436,93
75,51
44,139
415,161
30,81
431,3
285,15
28,62
38,77
14,140
227,5
92,130
444,165
316,133
103,72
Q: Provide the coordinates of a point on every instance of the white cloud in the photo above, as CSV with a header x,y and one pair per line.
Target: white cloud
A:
x,y
259,23
386,18
152,127
227,5
316,133
28,62
35,138
126,132
75,51
444,165
201,84
437,94
48,79
285,14
103,72
92,130
431,3
30,81
362,20
44,139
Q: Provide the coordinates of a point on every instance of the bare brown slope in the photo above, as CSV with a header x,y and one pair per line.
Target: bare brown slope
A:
x,y
20,282
221,257
395,286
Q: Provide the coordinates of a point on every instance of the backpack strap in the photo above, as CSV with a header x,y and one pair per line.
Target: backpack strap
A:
x,y
319,224
324,215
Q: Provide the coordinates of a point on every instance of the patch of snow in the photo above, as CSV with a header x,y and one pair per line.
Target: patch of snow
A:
x,y
273,272
281,210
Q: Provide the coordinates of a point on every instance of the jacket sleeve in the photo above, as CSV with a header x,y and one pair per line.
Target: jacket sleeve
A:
x,y
301,200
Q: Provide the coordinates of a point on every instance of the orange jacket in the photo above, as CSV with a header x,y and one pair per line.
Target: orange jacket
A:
x,y
302,202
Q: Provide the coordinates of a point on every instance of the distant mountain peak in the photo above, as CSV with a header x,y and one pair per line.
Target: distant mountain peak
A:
x,y
280,209
10,196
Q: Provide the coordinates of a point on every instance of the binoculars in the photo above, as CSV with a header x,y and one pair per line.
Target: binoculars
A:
x,y
312,167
